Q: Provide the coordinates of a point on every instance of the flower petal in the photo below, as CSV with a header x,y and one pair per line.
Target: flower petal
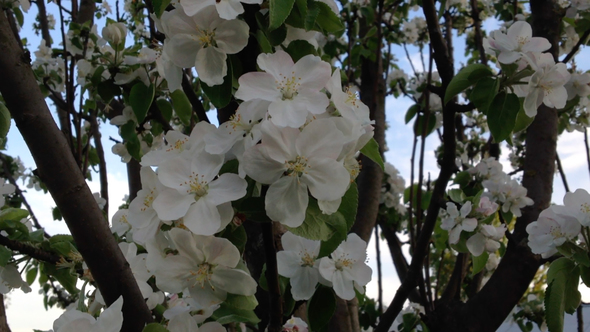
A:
x,y
286,201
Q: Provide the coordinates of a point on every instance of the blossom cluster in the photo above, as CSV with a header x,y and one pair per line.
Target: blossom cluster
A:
x,y
345,270
561,224
393,189
517,46
296,131
501,193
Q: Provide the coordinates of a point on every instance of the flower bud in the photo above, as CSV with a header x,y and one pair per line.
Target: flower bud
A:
x,y
115,33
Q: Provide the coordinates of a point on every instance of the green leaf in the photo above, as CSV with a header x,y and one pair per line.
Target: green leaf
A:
x,y
63,248
64,276
562,295
479,262
160,6
312,14
4,120
297,49
182,106
227,314
483,93
420,122
277,36
327,20
5,255
241,301
279,10
462,80
317,225
522,121
339,225
457,195
347,212
220,95
502,115
573,252
165,108
462,178
140,99
320,308
31,275
585,274
107,90
411,113
154,327
131,141
13,214
507,216
371,151
349,205
263,42
301,6
237,236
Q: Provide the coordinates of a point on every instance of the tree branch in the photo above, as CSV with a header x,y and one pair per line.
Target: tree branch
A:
x,y
272,279
102,165
28,250
518,265
562,173
60,172
576,47
397,256
194,99
18,191
445,68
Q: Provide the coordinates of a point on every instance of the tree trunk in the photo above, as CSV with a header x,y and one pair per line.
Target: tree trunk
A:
x,y
59,171
518,266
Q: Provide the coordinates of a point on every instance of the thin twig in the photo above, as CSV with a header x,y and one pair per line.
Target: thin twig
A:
x,y
580,317
18,191
379,275
29,250
562,173
272,279
102,165
444,65
576,47
194,99
587,147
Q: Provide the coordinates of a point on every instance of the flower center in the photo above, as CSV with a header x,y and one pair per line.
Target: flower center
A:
x,y
585,208
307,259
289,86
235,121
297,167
148,200
203,275
521,41
343,262
351,97
177,146
556,232
207,38
354,168
196,185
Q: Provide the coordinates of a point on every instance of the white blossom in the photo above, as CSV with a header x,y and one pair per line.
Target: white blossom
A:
x,y
298,262
456,221
554,227
293,162
206,265
203,41
346,267
293,89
